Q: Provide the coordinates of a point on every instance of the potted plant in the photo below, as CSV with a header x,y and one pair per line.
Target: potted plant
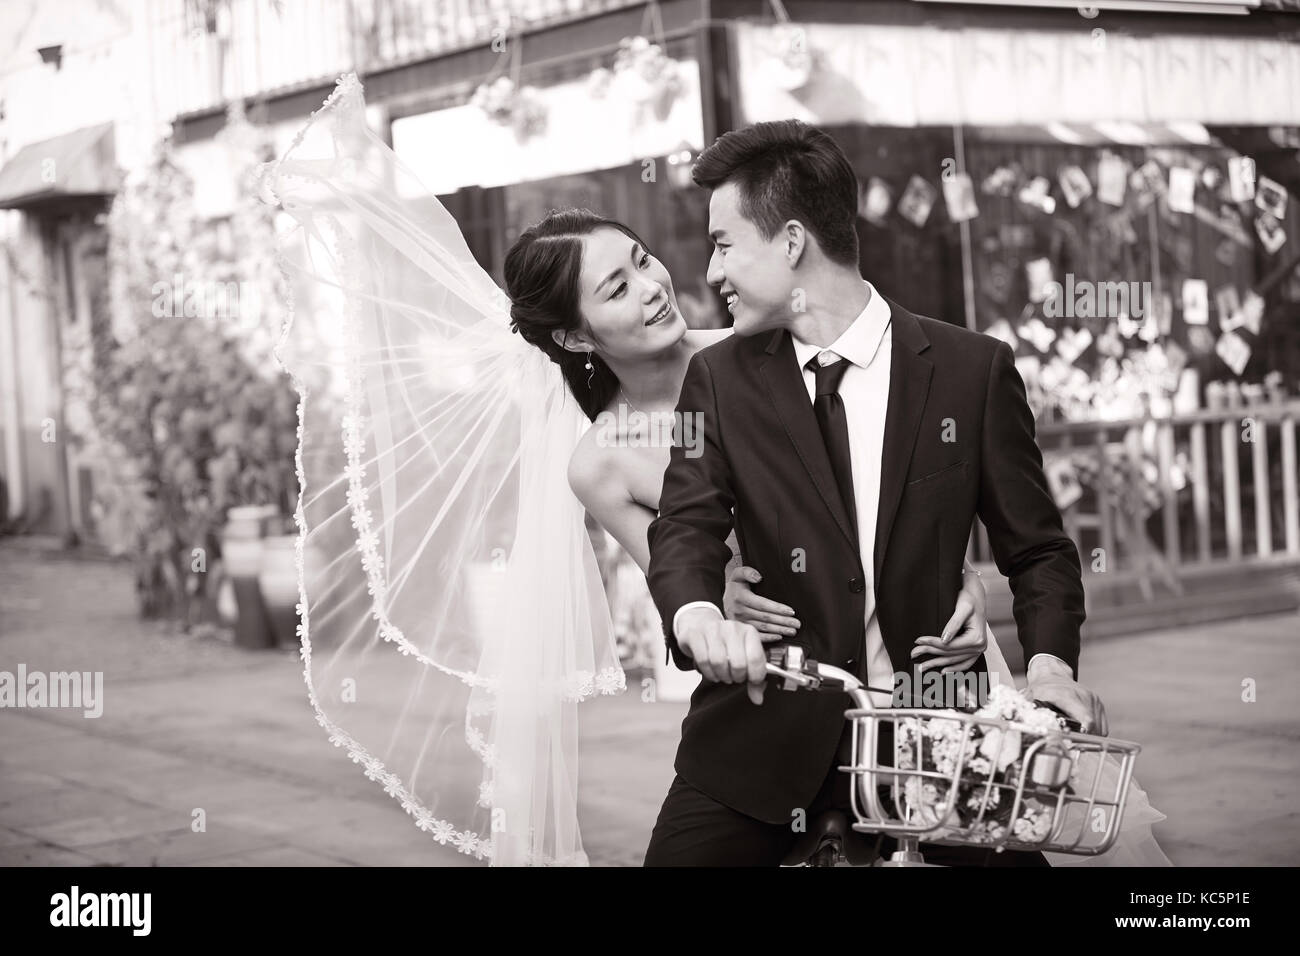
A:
x,y
198,422
252,478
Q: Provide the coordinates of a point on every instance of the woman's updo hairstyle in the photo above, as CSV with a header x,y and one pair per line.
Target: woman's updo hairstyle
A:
x,y
542,271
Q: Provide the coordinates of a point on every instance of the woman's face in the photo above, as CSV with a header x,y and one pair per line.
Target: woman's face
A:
x,y
627,299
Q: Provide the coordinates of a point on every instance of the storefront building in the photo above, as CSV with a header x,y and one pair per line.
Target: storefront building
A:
x,y
1107,188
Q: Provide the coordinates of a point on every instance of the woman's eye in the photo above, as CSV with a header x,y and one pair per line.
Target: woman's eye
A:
x,y
622,287
645,259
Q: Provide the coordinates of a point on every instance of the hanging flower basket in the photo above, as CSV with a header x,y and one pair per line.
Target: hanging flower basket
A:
x,y
519,108
643,76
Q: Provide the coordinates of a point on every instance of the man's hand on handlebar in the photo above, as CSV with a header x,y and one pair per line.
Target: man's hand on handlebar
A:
x,y
1051,681
725,652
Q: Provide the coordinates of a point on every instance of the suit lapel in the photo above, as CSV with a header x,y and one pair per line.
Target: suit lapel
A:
x,y
785,387
909,386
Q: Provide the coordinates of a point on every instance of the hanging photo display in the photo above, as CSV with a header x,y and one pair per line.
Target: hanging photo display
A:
x,y
1228,304
1112,177
1271,198
1063,480
1252,312
1234,351
1149,181
1270,232
1038,275
1182,189
1133,275
1037,193
1241,178
959,196
874,200
998,281
1196,302
1075,185
917,201
1001,182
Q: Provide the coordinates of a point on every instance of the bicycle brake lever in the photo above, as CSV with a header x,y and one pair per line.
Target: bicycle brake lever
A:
x,y
829,683
1070,723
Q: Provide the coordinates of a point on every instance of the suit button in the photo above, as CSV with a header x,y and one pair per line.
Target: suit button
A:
x,y
857,585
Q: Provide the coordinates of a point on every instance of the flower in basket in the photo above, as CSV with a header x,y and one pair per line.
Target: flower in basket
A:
x,y
986,760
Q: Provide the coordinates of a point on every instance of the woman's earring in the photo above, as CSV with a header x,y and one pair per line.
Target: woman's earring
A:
x,y
590,369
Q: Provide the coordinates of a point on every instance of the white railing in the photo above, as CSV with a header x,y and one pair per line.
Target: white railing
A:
x,y
1156,496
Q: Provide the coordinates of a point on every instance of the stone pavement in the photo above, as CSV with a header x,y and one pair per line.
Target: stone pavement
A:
x,y
198,723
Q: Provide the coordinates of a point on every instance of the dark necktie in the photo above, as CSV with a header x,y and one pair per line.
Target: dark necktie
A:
x,y
834,425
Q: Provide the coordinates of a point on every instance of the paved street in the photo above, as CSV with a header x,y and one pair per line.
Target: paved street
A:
x,y
198,723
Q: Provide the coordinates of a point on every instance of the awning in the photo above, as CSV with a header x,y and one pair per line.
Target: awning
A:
x,y
1152,6
74,165
921,75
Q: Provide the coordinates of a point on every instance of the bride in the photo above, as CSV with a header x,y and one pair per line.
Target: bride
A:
x,y
453,616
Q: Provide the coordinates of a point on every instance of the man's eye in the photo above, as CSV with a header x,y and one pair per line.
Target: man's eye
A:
x,y
645,259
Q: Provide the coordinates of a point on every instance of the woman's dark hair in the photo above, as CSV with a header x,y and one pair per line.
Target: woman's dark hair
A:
x,y
542,272
788,170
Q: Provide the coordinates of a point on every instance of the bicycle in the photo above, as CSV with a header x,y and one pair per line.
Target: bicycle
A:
x,y
966,803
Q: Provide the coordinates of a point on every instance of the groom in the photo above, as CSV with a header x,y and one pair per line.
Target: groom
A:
x,y
851,444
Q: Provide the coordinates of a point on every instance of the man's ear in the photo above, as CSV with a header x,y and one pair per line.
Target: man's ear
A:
x,y
570,341
796,241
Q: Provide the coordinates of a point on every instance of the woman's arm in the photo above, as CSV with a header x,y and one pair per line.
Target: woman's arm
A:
x,y
965,636
597,484
594,478
973,584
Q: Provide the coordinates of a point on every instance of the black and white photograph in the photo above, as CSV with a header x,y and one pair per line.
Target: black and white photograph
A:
x,y
651,433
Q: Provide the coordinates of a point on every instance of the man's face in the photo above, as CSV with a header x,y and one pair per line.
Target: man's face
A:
x,y
752,273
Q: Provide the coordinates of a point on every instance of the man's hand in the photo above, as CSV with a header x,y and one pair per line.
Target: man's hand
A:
x,y
1051,680
726,652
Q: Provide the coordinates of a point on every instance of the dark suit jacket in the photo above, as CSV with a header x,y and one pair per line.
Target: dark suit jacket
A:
x,y
762,455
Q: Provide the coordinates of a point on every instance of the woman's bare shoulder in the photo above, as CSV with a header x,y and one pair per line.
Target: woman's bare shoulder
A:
x,y
591,465
703,338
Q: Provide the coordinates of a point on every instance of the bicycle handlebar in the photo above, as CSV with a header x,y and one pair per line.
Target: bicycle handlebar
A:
x,y
796,673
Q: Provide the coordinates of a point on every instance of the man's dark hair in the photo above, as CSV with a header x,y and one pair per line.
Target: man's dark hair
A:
x,y
788,170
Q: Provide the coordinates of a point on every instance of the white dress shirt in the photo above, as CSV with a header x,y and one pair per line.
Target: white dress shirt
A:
x,y
864,389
